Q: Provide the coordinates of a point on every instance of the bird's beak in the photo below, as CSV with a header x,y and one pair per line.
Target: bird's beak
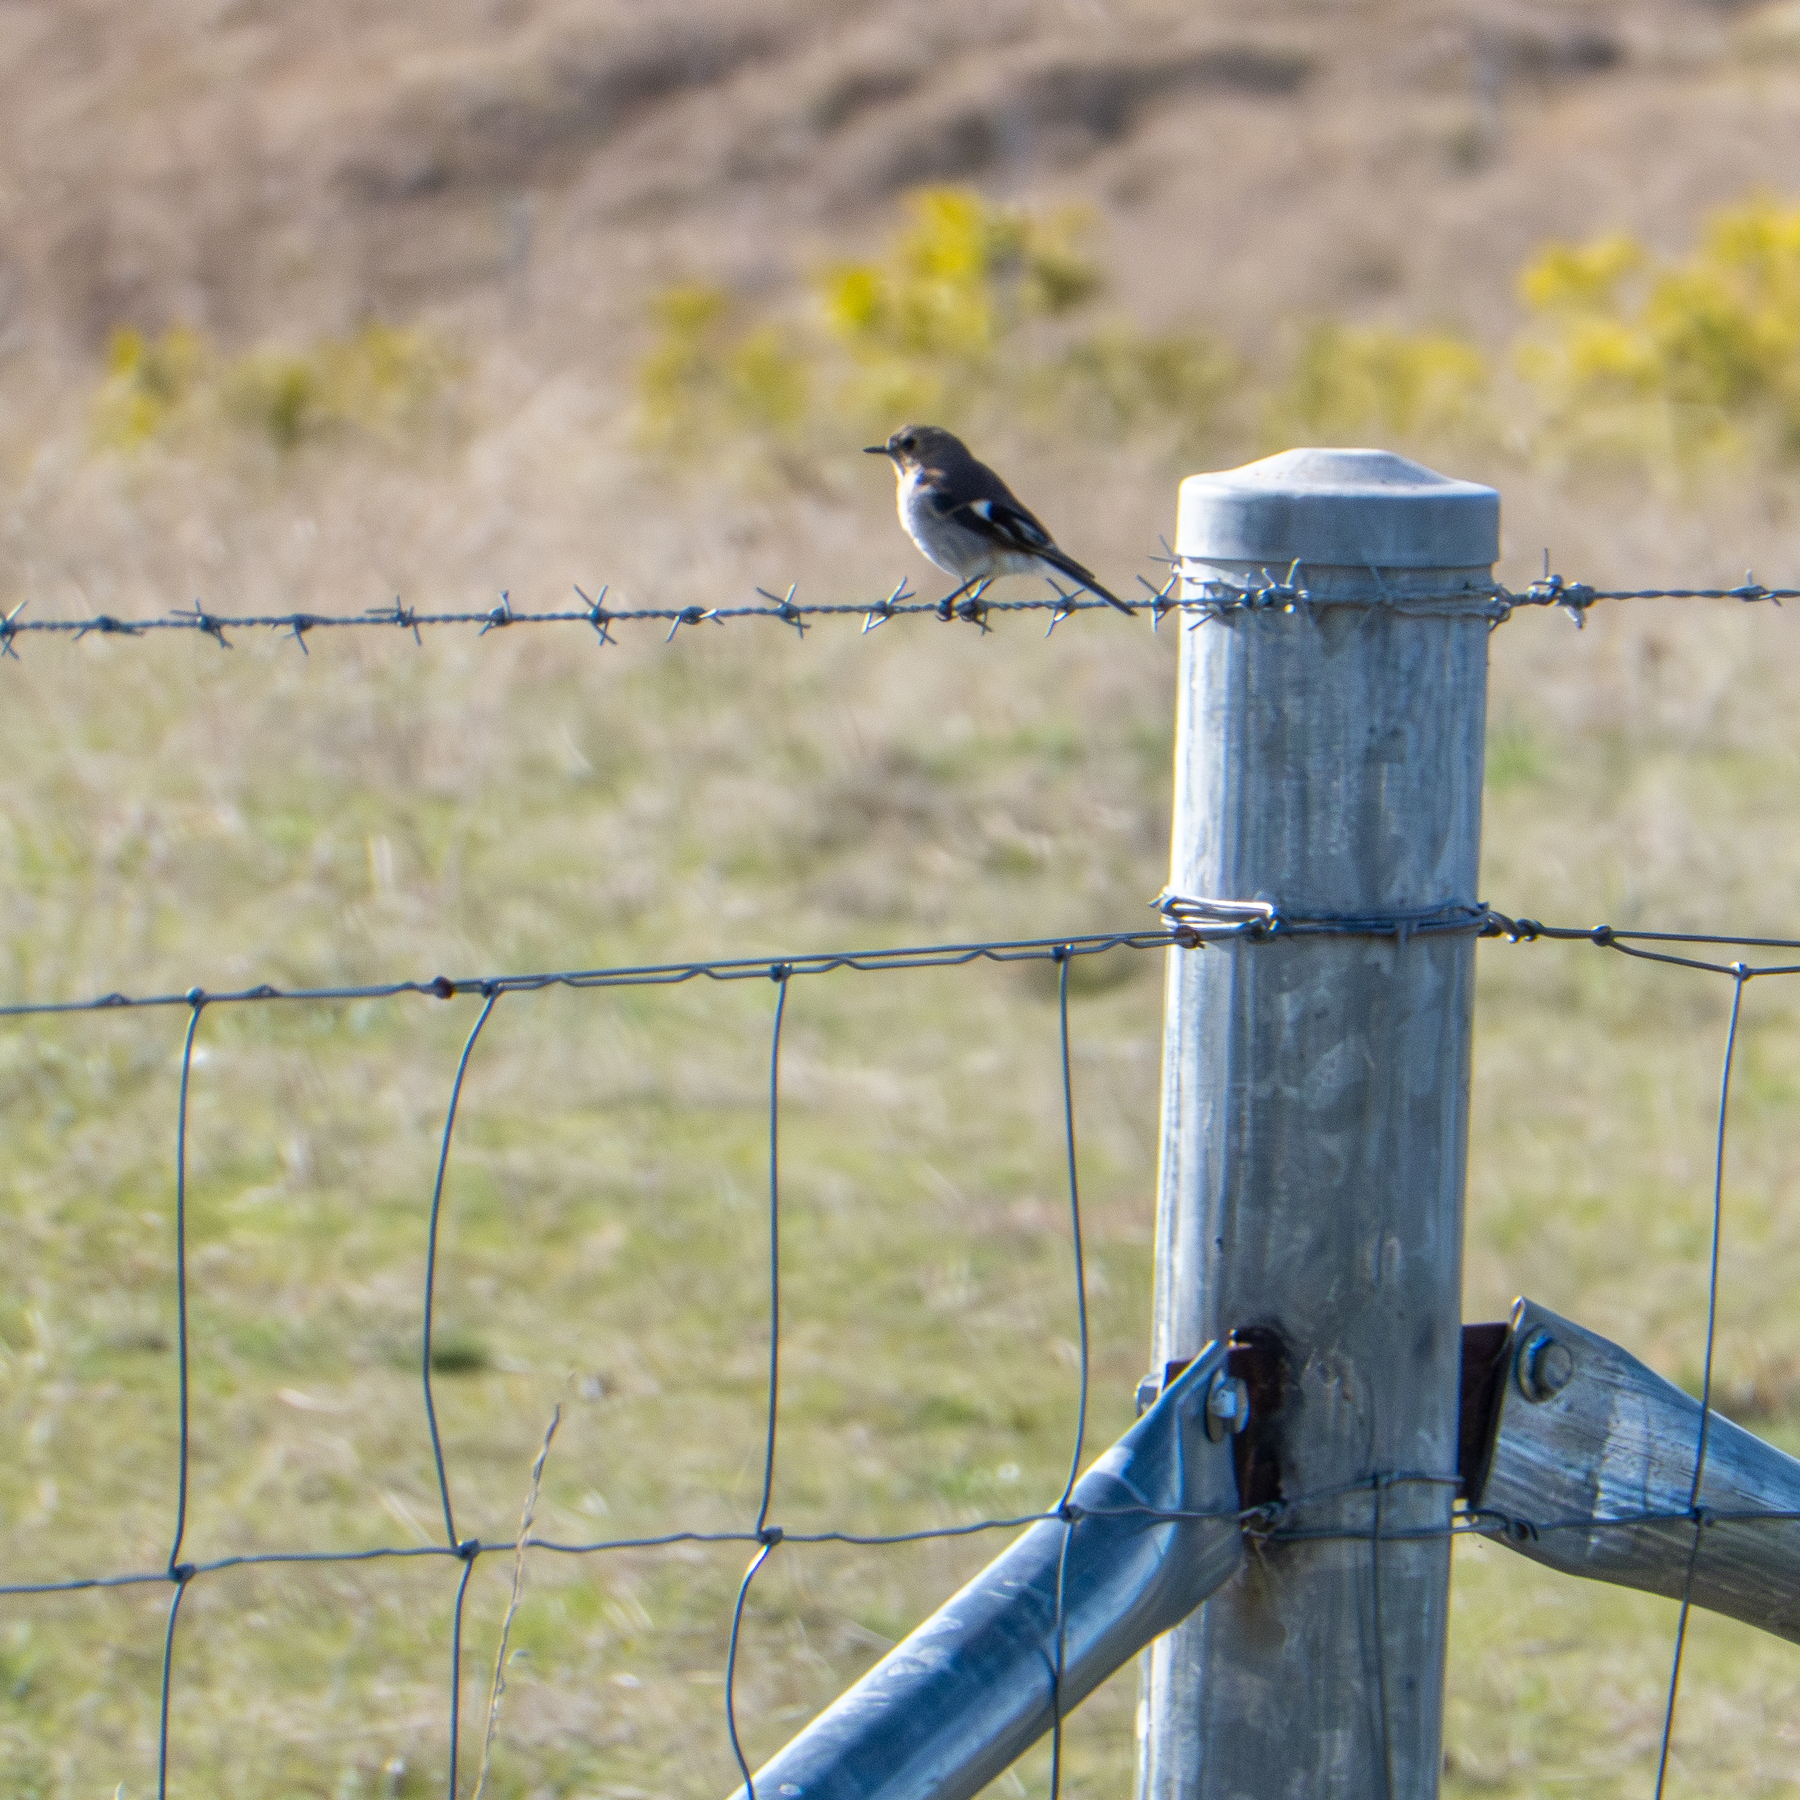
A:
x,y
875,450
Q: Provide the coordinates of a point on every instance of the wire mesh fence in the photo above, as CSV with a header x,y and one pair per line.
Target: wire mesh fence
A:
x,y
469,1735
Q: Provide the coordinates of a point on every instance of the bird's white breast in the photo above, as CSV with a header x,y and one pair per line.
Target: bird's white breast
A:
x,y
923,523
953,547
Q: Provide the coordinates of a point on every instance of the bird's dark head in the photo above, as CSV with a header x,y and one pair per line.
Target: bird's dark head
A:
x,y
915,446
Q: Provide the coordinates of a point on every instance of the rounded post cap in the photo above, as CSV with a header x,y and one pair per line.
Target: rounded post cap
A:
x,y
1354,508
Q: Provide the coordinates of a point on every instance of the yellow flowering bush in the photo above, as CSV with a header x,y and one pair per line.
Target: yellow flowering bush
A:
x,y
1674,362
1351,383
379,378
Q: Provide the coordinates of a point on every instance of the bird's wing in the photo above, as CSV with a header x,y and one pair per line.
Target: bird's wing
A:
x,y
1003,522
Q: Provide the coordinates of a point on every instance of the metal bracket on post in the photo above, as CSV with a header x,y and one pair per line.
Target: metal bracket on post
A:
x,y
1148,1532
1585,1462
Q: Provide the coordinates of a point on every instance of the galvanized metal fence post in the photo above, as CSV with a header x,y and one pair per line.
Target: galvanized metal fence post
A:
x,y
1328,763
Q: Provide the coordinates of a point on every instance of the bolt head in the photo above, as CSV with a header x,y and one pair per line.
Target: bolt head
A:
x,y
1546,1367
1227,1407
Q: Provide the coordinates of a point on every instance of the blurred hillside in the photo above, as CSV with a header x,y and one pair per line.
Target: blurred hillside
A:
x,y
529,169
505,189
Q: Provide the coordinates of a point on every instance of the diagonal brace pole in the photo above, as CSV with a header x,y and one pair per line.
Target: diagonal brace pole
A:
x,y
1146,1534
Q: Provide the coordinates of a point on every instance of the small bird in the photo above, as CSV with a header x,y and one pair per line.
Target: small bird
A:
x,y
964,517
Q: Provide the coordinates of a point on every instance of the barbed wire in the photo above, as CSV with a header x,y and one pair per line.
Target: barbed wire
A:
x,y
1486,600
1189,926
969,605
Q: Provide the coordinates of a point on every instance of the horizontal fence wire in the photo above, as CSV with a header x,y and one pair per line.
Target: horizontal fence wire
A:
x,y
1190,924
969,605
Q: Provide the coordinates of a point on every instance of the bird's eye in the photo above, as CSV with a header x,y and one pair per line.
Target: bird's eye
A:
x,y
909,442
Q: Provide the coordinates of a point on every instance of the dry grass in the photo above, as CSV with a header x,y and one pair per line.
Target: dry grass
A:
x,y
177,814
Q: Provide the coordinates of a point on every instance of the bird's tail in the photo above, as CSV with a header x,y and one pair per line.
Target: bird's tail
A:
x,y
1075,572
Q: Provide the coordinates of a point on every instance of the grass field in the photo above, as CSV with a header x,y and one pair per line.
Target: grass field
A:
x,y
374,278
179,815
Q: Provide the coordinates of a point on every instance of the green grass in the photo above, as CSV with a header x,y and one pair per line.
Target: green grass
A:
x,y
179,815
603,1248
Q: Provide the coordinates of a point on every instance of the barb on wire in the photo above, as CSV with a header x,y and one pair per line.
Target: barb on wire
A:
x,y
9,629
886,609
1160,597
206,623
787,610
405,617
597,615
